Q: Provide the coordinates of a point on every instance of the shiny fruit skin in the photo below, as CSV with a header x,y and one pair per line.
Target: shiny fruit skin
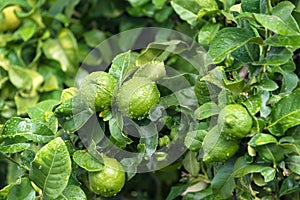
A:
x,y
110,180
97,90
10,21
235,121
137,96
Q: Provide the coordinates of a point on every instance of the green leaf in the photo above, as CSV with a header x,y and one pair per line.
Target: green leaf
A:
x,y
289,185
223,182
123,65
202,194
153,71
285,114
252,6
27,30
275,24
207,33
86,161
137,3
271,153
253,104
159,3
228,40
242,168
4,191
262,139
284,10
64,50
25,79
94,37
21,190
293,163
268,85
43,112
276,56
32,130
149,138
159,51
117,134
290,79
283,41
193,140
72,192
24,103
177,191
51,168
13,144
182,8
191,164
207,110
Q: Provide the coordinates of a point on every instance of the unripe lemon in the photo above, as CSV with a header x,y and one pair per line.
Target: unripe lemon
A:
x,y
137,96
9,20
217,148
110,180
97,90
235,121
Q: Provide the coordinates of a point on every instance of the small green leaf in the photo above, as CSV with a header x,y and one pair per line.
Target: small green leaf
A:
x,y
72,192
87,161
183,10
117,133
275,24
285,114
271,153
149,138
51,168
21,190
283,41
193,140
262,139
223,182
242,168
177,191
268,85
293,164
123,65
25,79
153,71
94,37
207,110
284,10
28,129
207,33
253,104
252,6
276,56
228,40
64,50
191,164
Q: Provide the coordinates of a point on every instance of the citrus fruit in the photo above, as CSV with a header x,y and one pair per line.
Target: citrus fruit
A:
x,y
137,96
110,180
217,148
97,90
9,20
235,121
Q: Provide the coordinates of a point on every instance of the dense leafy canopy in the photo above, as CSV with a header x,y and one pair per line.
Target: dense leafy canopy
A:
x,y
242,52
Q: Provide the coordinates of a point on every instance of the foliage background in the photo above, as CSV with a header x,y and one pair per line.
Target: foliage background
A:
x,y
41,58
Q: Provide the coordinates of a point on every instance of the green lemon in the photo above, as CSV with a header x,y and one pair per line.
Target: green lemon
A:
x,y
9,20
137,96
110,180
97,90
217,148
235,121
